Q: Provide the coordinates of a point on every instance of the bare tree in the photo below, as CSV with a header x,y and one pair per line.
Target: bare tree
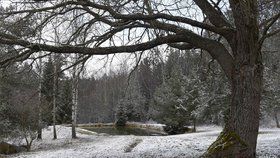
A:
x,y
75,102
75,81
143,25
40,74
40,67
55,90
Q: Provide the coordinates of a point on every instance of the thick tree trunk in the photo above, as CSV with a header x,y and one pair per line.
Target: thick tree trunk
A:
x,y
239,137
245,107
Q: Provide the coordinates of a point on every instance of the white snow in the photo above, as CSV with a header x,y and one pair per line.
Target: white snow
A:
x,y
93,145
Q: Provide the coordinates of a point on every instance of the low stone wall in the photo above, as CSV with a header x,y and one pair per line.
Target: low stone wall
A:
x,y
97,125
156,127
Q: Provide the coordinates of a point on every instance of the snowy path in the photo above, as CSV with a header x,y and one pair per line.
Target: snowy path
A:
x,y
184,146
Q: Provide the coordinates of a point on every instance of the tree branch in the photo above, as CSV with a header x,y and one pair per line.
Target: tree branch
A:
x,y
93,51
267,35
85,3
270,20
174,34
216,17
181,46
267,25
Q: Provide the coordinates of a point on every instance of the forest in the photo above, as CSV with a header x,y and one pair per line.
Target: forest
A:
x,y
193,78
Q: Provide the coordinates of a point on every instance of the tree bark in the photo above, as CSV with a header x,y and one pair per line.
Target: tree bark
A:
x,y
239,137
247,77
245,107
241,131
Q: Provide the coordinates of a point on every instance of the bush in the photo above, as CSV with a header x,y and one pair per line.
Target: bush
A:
x,y
171,129
6,148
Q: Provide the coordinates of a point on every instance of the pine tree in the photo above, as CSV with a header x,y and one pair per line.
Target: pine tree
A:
x,y
65,103
192,96
121,114
132,107
170,102
48,74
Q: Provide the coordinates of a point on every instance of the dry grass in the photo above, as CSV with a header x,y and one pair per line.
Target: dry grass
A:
x,y
133,145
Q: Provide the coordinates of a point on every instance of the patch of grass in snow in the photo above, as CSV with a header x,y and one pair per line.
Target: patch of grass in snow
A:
x,y
133,145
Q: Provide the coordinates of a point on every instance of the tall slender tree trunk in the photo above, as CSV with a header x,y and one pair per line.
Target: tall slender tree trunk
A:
x,y
55,84
239,138
39,131
276,119
74,101
194,125
75,82
40,122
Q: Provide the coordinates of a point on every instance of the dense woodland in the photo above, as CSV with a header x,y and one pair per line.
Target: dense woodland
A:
x,y
218,65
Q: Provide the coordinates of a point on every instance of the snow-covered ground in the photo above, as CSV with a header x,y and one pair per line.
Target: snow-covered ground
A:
x,y
92,145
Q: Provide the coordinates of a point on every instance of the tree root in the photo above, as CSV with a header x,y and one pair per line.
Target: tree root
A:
x,y
228,145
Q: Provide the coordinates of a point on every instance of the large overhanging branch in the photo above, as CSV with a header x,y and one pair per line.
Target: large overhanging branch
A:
x,y
181,46
66,49
193,40
173,34
216,50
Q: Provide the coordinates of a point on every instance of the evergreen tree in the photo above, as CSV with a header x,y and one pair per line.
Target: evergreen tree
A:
x,y
47,87
170,102
65,103
193,96
47,91
121,114
217,99
133,104
145,79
